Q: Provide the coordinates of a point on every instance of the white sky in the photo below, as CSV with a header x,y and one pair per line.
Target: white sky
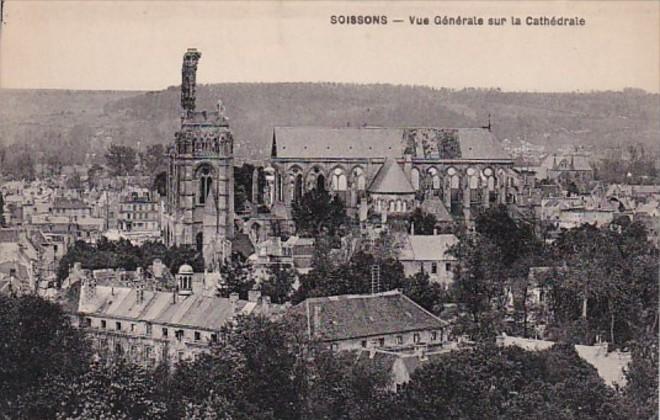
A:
x,y
138,45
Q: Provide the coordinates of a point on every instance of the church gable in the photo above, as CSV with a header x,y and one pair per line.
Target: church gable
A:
x,y
391,180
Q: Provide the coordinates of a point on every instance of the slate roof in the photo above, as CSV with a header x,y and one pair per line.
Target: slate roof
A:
x,y
242,244
436,207
9,235
353,316
69,203
324,142
427,247
382,142
390,179
194,311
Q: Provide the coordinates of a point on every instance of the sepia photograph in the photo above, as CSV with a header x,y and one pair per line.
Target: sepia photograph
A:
x,y
350,210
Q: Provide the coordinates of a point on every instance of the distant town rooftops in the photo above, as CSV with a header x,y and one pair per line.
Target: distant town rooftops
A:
x,y
69,203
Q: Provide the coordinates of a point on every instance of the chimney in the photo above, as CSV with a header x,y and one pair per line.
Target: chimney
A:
x,y
254,295
233,301
317,319
90,282
265,304
140,293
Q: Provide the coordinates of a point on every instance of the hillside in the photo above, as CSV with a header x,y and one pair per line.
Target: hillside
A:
x,y
88,121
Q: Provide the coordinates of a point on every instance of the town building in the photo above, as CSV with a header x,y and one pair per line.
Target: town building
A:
x,y
388,321
150,326
566,168
295,253
429,254
139,217
200,199
73,208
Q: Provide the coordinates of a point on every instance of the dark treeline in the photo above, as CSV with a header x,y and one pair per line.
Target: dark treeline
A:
x,y
269,370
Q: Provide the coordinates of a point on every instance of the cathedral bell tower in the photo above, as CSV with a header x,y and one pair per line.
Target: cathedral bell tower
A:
x,y
200,193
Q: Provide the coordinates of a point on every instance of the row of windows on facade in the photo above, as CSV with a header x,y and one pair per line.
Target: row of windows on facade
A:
x,y
399,340
179,334
140,353
146,225
139,207
434,267
141,216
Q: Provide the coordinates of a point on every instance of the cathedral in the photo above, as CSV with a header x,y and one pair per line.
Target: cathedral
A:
x,y
199,210
455,171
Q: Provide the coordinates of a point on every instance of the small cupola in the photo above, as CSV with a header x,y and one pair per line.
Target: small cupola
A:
x,y
184,279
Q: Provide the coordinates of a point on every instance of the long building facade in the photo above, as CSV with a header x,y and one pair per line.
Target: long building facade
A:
x,y
199,209
394,170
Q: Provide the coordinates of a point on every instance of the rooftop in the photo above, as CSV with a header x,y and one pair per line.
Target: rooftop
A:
x,y
352,316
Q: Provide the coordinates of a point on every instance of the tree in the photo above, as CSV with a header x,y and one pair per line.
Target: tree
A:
x,y
93,175
504,383
120,160
352,277
39,344
237,277
501,250
279,284
160,183
74,182
318,211
3,222
423,223
153,159
430,296
608,284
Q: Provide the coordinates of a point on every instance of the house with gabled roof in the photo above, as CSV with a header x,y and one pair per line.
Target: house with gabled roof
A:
x,y
388,321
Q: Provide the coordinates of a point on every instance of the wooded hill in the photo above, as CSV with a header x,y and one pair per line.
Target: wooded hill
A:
x,y
85,122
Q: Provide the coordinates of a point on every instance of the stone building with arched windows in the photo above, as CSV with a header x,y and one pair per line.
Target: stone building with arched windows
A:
x,y
199,209
465,169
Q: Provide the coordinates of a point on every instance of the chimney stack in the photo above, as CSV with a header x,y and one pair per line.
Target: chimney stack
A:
x,y
254,295
317,319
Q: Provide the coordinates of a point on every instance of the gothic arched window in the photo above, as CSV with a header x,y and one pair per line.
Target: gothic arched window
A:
x,y
414,177
199,242
205,183
435,178
359,179
339,180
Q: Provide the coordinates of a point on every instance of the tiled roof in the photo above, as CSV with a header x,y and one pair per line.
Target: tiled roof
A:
x,y
69,203
352,316
324,142
427,247
9,235
380,142
436,207
194,311
242,244
391,180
